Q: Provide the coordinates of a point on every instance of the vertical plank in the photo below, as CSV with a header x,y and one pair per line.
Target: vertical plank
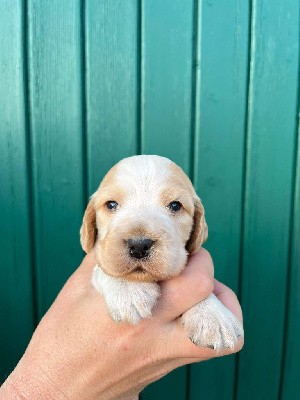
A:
x,y
16,300
167,106
56,122
271,134
221,107
291,355
167,61
112,84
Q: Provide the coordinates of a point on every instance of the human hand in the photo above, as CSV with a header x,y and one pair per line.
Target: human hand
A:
x,y
78,352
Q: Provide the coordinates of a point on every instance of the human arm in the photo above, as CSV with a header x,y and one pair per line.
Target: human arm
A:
x,y
78,352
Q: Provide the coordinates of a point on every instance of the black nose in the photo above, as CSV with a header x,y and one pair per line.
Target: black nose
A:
x,y
139,247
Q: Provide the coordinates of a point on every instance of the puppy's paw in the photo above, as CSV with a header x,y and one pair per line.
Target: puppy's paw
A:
x,y
133,302
211,324
126,301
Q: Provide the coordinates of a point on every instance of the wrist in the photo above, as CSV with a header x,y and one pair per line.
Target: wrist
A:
x,y
29,383
9,391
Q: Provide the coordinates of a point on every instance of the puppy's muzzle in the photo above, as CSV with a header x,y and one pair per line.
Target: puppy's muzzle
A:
x,y
139,247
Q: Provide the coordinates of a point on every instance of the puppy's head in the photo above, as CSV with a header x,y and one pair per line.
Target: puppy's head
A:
x,y
144,220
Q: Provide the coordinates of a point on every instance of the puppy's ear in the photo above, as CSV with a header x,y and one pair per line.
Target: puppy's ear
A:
x,y
88,230
199,231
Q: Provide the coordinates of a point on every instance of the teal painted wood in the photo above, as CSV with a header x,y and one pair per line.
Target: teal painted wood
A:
x,y
167,62
112,84
111,79
290,366
222,65
271,134
16,294
167,106
56,133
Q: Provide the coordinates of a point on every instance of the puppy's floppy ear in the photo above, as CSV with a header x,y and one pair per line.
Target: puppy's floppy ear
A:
x,y
88,230
199,231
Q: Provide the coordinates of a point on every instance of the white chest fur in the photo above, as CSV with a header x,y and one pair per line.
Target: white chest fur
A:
x,y
208,324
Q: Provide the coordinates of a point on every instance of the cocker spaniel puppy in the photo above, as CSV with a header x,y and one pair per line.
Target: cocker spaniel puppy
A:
x,y
144,220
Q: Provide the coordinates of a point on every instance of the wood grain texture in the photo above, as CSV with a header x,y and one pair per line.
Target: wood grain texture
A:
x,y
290,367
271,137
16,291
212,85
167,60
219,155
112,84
56,121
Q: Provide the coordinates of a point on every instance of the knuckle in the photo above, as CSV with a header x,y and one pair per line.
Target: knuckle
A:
x,y
205,262
206,283
232,295
205,255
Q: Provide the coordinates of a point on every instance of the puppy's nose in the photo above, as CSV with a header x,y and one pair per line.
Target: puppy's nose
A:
x,y
139,247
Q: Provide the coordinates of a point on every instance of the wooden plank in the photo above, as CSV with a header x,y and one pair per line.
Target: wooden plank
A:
x,y
112,84
167,61
221,108
167,106
16,298
56,130
271,133
291,355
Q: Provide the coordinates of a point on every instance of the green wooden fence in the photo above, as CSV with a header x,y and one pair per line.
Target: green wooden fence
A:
x,y
211,84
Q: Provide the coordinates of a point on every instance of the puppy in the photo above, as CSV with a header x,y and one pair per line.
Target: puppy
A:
x,y
144,221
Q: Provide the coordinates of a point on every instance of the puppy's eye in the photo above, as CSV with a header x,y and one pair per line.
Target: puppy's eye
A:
x,y
111,205
174,206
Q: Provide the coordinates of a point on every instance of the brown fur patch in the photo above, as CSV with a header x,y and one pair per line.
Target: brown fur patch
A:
x,y
143,193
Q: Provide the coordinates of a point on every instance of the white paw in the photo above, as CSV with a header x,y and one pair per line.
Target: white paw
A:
x,y
126,301
133,302
211,324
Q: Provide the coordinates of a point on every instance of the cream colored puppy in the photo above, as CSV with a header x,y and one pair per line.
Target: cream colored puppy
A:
x,y
144,221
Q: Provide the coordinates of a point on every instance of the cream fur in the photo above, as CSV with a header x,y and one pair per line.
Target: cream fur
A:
x,y
211,324
126,301
143,186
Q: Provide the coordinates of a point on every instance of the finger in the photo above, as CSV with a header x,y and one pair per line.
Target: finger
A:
x,y
190,352
194,353
180,293
228,298
198,354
